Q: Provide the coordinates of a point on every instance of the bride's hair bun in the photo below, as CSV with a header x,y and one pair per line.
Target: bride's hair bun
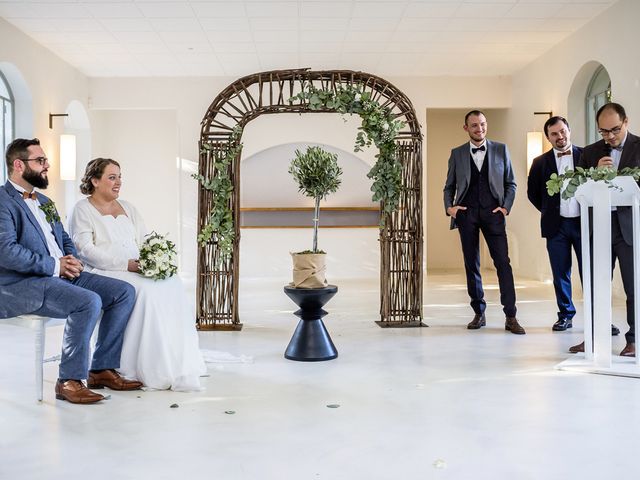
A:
x,y
95,169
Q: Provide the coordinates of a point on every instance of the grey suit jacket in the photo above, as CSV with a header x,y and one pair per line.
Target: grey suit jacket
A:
x,y
501,179
25,262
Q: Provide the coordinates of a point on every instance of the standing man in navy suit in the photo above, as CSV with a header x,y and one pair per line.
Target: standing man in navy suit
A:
x,y
560,220
618,149
40,275
478,195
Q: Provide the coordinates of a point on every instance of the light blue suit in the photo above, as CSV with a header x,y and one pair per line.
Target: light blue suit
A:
x,y
27,286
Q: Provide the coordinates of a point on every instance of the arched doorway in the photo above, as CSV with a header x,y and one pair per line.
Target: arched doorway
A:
x,y
401,237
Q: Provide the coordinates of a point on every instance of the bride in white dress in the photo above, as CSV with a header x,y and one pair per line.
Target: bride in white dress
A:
x,y
161,342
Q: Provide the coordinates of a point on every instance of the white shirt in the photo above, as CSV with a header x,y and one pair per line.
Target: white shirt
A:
x,y
52,245
568,208
617,154
478,157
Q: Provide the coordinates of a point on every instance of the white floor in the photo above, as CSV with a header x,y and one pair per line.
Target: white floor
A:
x,y
426,403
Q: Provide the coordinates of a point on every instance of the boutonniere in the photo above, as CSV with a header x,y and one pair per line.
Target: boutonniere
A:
x,y
50,212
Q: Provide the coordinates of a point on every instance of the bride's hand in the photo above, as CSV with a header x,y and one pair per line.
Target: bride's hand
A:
x,y
134,265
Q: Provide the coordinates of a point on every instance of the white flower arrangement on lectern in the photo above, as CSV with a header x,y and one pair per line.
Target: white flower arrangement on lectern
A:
x,y
158,257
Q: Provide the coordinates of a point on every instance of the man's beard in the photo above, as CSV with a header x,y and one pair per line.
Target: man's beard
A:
x,y
35,178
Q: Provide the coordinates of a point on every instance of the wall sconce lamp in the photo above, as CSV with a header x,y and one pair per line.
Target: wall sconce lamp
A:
x,y
67,157
535,142
67,151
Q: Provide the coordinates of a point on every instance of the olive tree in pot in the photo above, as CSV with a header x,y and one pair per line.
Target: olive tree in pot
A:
x,y
317,173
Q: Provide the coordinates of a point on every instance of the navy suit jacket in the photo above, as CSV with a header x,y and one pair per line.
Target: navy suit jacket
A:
x,y
25,261
549,206
501,179
630,158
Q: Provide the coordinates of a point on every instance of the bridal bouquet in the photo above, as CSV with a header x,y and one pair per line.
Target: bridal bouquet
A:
x,y
158,257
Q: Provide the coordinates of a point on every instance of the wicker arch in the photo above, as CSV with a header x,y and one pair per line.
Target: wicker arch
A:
x,y
401,238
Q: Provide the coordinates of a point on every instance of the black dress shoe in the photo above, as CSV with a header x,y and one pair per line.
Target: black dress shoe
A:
x,y
477,322
614,330
562,324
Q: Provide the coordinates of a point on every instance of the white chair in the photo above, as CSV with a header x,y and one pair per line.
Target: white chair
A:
x,y
39,325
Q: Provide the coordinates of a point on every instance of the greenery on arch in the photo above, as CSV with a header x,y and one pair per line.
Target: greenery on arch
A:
x,y
219,227
379,127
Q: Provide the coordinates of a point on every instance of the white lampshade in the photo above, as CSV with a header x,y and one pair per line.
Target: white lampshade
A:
x,y
67,157
534,147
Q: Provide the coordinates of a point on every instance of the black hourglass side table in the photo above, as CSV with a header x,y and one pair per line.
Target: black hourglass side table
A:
x,y
311,341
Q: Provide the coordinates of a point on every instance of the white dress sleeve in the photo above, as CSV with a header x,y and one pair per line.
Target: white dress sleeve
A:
x,y
84,231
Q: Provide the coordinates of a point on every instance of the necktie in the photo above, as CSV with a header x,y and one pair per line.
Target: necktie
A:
x,y
566,152
31,195
474,150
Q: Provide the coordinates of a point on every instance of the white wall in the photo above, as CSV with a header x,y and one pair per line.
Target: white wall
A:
x,y
190,98
50,85
546,84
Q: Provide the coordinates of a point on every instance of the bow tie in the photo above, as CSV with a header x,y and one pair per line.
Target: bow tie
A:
x,y
474,150
618,148
32,195
562,154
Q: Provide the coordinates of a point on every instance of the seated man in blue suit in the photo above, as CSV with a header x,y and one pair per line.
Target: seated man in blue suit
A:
x,y
478,195
40,275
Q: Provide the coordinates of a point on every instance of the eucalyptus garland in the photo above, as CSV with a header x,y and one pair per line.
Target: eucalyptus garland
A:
x,y
379,127
219,227
577,177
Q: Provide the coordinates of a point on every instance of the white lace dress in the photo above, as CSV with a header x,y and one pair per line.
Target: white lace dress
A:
x,y
161,342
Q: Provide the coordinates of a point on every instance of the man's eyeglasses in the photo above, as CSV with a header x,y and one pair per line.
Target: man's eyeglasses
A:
x,y
39,160
614,131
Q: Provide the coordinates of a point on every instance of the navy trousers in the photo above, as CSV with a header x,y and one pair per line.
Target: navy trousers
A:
x,y
559,248
470,223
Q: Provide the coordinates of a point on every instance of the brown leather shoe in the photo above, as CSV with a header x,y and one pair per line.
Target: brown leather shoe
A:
x,y
577,348
112,379
629,350
478,321
74,391
511,324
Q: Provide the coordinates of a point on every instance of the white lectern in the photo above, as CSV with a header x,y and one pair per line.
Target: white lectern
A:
x,y
597,335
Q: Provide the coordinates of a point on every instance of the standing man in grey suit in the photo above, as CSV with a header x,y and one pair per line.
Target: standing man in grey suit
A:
x,y
618,149
478,195
40,275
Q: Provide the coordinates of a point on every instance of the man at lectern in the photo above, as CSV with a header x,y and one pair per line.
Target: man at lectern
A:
x,y
618,149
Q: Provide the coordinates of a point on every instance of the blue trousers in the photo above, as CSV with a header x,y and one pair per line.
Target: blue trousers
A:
x,y
80,301
559,248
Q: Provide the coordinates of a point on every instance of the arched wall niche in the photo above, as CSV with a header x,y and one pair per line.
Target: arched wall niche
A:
x,y
401,237
272,164
576,102
22,98
77,123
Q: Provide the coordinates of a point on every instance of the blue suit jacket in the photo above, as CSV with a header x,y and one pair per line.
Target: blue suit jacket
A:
x,y
25,262
541,170
501,179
